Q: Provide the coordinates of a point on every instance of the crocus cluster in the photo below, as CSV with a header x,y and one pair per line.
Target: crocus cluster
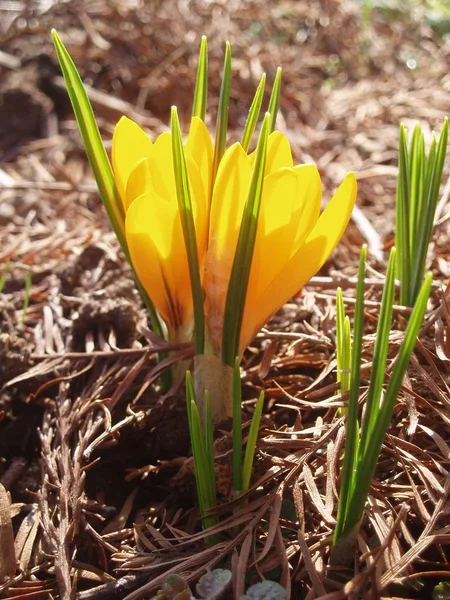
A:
x,y
293,238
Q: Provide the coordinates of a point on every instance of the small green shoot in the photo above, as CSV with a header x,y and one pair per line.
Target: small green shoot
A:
x,y
242,469
419,179
202,452
364,442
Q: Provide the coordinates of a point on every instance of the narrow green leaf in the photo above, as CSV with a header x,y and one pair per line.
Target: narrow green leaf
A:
x,y
380,354
190,238
100,165
253,114
209,448
368,463
202,453
275,100
427,212
415,162
352,425
402,231
251,443
222,112
240,272
92,142
201,83
237,429
343,347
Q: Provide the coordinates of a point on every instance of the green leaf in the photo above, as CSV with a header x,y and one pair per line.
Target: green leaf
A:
x,y
201,83
100,164
275,100
427,208
343,346
240,272
237,429
253,114
352,426
190,237
402,233
419,179
222,113
380,355
92,142
251,443
202,453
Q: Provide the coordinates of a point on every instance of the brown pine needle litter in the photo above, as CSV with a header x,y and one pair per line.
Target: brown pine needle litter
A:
x,y
96,476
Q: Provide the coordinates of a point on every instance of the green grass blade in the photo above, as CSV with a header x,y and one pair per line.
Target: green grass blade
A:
x,y
380,355
402,231
240,272
190,238
253,114
251,443
237,429
367,466
222,111
352,426
201,83
92,142
274,101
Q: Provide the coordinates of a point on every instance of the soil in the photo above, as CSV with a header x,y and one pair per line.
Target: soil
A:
x,y
94,453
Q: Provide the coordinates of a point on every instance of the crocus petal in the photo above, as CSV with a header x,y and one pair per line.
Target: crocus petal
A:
x,y
199,147
279,153
139,182
229,196
289,210
155,241
130,144
308,259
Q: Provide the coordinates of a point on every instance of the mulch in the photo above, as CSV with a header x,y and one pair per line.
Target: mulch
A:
x,y
95,456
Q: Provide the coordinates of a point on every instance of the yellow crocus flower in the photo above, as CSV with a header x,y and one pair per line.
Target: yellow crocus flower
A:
x,y
293,239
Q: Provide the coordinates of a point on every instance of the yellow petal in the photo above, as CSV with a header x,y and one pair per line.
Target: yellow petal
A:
x,y
279,153
199,147
289,210
229,195
139,182
130,144
155,240
163,178
308,205
308,259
